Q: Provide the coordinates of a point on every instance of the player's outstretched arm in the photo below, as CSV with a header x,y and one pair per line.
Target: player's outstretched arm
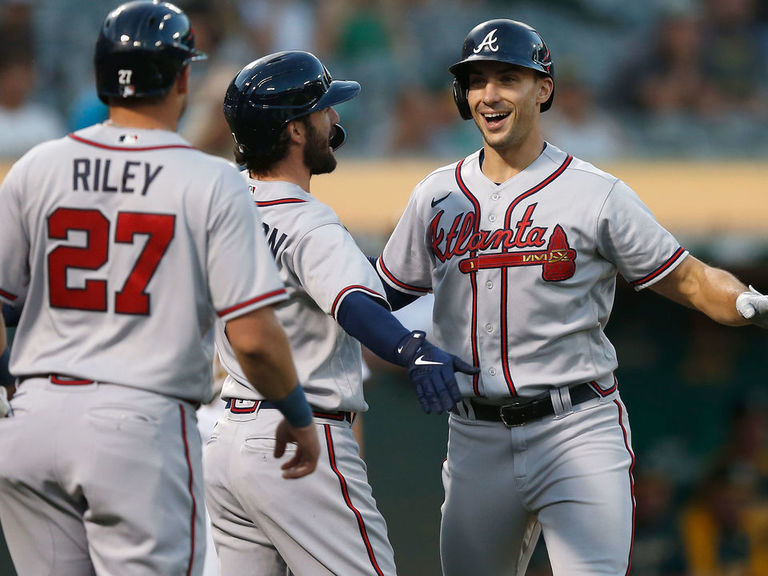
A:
x,y
264,354
710,290
431,369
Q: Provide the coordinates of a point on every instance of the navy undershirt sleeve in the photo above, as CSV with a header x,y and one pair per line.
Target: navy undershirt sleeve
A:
x,y
5,375
367,319
11,315
395,298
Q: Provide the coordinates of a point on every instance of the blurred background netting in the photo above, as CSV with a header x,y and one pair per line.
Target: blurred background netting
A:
x,y
669,95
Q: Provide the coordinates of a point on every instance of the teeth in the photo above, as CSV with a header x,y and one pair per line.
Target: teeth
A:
x,y
496,116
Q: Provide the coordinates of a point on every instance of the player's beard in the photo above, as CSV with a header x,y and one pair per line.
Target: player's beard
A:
x,y
318,156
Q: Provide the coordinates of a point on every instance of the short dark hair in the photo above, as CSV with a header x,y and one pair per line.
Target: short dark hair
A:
x,y
261,163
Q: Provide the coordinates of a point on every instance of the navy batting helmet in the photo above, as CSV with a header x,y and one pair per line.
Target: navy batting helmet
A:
x,y
141,49
273,90
500,40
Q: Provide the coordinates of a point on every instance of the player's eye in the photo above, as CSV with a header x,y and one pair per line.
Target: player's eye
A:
x,y
476,81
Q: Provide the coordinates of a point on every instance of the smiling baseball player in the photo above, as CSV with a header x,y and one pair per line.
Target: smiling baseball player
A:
x,y
125,244
280,110
521,244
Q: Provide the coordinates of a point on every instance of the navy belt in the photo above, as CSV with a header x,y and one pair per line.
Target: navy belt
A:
x,y
522,411
240,406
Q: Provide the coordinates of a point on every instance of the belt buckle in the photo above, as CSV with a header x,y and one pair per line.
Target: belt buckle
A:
x,y
503,417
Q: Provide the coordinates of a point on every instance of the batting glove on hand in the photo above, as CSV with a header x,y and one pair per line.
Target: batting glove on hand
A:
x,y
754,307
432,372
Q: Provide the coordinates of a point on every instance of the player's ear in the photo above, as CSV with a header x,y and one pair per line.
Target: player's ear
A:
x,y
182,82
545,88
296,131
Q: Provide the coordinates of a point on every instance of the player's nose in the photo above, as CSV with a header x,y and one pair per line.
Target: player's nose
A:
x,y
491,92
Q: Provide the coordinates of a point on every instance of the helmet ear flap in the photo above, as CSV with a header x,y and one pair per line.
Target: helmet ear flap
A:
x,y
460,97
338,136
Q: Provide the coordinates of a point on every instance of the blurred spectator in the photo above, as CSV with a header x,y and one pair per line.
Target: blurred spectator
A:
x,y
86,110
657,548
16,23
23,122
714,525
427,28
422,123
733,56
203,122
668,76
271,26
579,126
726,523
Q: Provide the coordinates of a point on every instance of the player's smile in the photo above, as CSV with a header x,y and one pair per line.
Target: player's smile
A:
x,y
495,120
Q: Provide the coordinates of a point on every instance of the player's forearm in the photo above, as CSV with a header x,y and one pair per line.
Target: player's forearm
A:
x,y
264,354
710,290
372,325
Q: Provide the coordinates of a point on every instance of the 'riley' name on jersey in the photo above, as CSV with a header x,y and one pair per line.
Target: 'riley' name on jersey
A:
x,y
106,175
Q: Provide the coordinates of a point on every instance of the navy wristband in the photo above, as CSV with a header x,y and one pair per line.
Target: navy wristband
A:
x,y
295,408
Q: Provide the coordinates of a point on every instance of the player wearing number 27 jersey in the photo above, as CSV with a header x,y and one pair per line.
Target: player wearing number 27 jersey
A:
x,y
123,246
131,228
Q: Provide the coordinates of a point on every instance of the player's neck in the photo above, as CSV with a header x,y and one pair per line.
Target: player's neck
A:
x,y
150,117
281,173
499,165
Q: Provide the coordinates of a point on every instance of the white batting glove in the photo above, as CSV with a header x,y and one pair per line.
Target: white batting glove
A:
x,y
5,406
754,307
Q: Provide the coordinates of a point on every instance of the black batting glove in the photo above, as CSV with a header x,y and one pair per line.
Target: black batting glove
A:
x,y
432,372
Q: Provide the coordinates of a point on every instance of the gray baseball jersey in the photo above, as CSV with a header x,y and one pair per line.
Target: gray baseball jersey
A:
x,y
123,246
125,230
326,523
523,274
320,264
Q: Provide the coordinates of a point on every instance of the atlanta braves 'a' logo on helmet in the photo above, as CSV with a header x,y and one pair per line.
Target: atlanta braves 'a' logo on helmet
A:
x,y
490,42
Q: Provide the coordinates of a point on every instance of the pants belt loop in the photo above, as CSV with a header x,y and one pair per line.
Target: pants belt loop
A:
x,y
561,401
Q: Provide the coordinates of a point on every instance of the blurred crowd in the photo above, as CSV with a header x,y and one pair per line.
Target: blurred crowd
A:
x,y
659,79
655,79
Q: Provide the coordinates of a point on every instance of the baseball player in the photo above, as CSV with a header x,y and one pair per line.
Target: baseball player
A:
x,y
521,244
124,245
280,111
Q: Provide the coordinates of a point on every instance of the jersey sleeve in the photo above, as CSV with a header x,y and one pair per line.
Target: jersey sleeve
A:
x,y
406,264
629,235
243,275
14,240
329,265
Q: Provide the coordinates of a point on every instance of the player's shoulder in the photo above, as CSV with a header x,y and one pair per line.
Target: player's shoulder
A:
x,y
442,177
286,201
579,166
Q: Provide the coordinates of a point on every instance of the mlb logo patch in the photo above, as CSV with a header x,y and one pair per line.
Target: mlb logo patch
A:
x,y
129,139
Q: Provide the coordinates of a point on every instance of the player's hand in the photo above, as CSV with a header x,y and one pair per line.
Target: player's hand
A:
x,y
432,371
753,306
304,461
